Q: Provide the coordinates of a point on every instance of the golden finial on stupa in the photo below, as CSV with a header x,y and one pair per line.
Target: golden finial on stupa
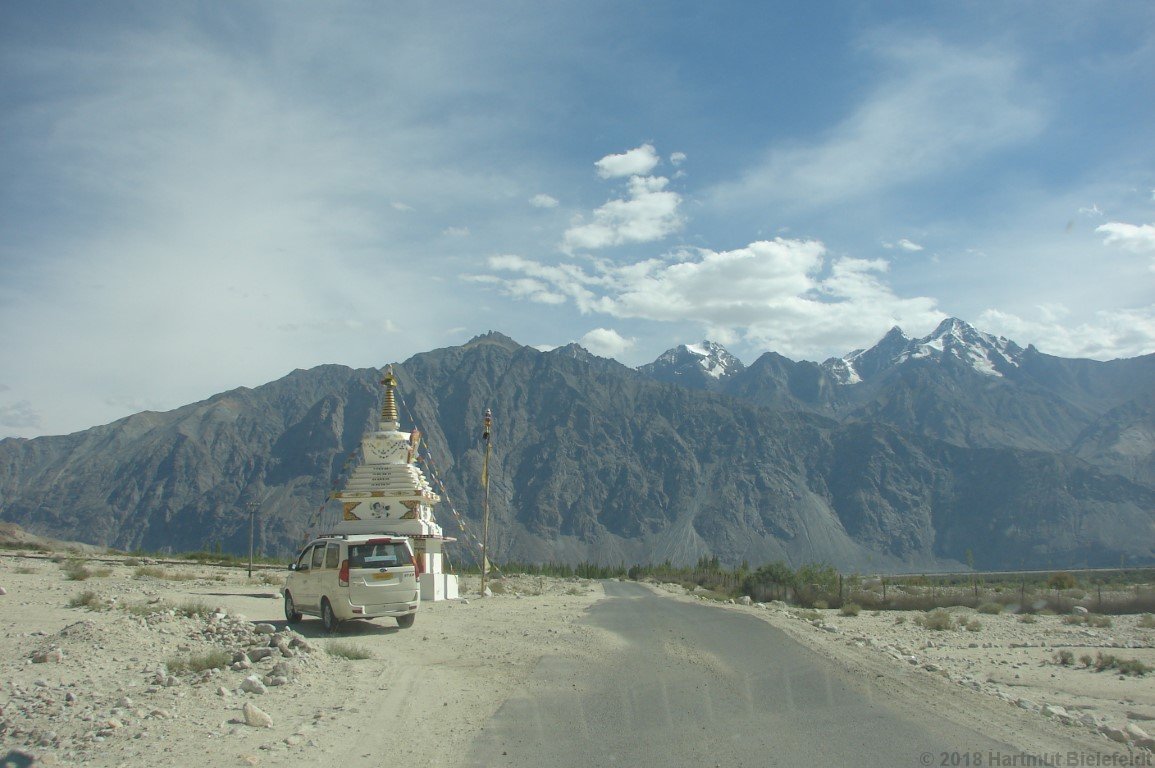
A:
x,y
389,409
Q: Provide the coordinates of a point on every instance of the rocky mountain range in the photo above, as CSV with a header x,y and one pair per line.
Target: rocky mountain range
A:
x,y
954,449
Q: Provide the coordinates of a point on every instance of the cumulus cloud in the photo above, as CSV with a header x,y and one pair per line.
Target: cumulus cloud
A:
x,y
1130,237
635,162
1110,333
677,158
649,212
778,294
543,201
606,342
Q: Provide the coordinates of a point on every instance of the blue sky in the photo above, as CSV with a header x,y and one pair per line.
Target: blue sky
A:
x,y
202,196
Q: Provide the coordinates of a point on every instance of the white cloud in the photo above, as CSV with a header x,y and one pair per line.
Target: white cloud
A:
x,y
636,162
606,342
1130,237
456,231
677,158
939,107
650,212
1093,210
20,414
401,206
777,294
1111,333
543,201
904,244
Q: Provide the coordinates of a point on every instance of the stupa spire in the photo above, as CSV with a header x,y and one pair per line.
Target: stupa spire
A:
x,y
389,408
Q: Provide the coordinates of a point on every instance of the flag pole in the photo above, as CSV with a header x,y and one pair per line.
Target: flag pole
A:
x,y
485,503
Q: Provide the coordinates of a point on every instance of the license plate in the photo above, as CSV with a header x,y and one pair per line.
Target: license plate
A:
x,y
382,576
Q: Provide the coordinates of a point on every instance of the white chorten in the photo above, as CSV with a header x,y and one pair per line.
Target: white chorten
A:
x,y
387,493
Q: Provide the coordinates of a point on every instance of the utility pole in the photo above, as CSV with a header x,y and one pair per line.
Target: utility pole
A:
x,y
488,424
253,507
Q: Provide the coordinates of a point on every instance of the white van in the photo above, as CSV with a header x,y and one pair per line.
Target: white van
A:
x,y
353,576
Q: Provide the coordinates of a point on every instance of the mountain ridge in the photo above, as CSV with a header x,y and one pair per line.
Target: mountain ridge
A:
x,y
596,461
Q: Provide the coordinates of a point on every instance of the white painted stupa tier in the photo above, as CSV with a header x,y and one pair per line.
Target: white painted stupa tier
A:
x,y
388,494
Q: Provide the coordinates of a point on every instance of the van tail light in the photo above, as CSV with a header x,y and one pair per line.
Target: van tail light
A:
x,y
343,574
416,564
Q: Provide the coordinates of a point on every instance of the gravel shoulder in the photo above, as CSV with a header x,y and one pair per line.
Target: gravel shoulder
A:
x,y
100,683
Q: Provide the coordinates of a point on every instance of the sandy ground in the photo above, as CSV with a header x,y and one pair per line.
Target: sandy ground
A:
x,y
99,692
97,684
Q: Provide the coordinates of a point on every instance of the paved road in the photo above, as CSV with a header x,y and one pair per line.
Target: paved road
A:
x,y
694,685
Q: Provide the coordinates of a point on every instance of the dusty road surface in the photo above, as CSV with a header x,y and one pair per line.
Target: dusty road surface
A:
x,y
694,684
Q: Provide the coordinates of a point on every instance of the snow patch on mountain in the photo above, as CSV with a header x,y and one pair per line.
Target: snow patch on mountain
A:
x,y
710,358
983,352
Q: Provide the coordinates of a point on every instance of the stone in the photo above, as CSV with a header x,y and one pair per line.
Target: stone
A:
x,y
253,684
53,656
1054,710
265,629
256,717
3,591
1114,734
260,654
1079,610
745,600
1135,732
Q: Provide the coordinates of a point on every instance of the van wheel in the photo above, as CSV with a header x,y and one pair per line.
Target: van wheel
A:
x,y
406,621
327,617
292,615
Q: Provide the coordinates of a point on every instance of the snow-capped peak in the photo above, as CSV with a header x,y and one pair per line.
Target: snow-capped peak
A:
x,y
953,338
707,358
715,360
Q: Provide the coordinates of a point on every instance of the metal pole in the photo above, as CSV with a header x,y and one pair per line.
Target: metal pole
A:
x,y
485,502
252,516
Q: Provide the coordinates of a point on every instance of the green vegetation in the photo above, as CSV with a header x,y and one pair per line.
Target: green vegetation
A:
x,y
1132,667
346,650
1064,658
88,599
217,659
938,620
195,609
850,609
1147,621
157,572
992,609
1090,620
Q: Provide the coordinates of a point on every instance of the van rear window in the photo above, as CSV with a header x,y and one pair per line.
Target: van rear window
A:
x,y
378,555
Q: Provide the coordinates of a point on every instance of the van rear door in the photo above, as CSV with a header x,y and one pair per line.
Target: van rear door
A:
x,y
381,572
